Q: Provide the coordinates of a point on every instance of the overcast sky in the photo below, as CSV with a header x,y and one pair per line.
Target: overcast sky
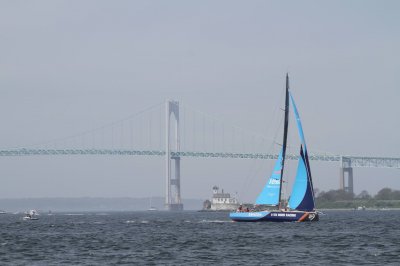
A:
x,y
69,66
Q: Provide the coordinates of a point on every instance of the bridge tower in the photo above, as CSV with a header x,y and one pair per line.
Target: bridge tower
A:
x,y
346,170
173,184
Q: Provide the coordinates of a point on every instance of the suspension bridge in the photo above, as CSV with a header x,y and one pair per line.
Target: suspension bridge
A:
x,y
185,134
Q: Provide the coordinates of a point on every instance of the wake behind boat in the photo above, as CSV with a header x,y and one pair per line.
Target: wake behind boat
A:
x,y
301,204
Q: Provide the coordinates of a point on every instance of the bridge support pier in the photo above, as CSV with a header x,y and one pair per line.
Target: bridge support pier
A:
x,y
349,186
173,185
346,171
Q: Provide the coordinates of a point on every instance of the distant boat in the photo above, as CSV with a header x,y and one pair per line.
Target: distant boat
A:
x,y
2,212
152,208
301,204
31,215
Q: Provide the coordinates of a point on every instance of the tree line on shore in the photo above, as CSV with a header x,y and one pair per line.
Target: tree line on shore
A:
x,y
341,195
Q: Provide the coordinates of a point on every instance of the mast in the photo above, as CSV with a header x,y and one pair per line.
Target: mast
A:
x,y
285,132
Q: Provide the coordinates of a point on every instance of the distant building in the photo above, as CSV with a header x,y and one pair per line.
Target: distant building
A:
x,y
222,201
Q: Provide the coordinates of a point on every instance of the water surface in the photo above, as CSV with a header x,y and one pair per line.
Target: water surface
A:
x,y
340,237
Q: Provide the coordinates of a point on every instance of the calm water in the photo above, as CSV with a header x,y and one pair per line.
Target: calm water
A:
x,y
340,237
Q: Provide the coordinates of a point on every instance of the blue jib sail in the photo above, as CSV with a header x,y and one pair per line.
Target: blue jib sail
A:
x,y
270,194
302,197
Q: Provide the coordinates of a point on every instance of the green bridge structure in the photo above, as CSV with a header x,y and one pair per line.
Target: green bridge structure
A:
x,y
183,134
346,162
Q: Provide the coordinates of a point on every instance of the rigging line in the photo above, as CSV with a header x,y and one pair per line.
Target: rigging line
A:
x,y
250,177
91,130
150,120
121,142
112,137
233,140
183,137
257,166
223,137
163,128
213,136
275,110
131,133
204,133
93,140
194,131
277,131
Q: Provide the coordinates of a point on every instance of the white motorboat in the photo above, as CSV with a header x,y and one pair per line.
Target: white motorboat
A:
x,y
31,215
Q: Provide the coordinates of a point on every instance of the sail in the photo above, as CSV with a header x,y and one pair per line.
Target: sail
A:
x,y
298,122
302,197
270,194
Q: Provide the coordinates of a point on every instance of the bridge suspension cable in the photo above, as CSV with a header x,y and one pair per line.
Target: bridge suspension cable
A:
x,y
203,135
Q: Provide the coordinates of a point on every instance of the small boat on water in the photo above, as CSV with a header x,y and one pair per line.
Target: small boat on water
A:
x,y
2,212
270,207
31,215
151,207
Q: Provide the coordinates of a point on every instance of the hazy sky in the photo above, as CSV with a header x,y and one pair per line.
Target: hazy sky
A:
x,y
68,66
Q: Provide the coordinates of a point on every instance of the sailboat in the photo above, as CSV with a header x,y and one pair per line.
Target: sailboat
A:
x,y
151,208
301,204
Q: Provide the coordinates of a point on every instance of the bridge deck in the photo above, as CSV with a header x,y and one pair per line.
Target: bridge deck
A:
x,y
346,161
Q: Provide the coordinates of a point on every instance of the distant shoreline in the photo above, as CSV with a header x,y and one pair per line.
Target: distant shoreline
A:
x,y
366,209
91,204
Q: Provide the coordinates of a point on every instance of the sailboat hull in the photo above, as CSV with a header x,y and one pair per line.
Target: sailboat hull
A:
x,y
274,216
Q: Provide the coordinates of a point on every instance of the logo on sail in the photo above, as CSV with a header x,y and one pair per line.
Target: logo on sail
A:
x,y
274,181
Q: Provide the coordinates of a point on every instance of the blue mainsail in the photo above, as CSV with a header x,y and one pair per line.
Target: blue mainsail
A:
x,y
302,197
270,194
